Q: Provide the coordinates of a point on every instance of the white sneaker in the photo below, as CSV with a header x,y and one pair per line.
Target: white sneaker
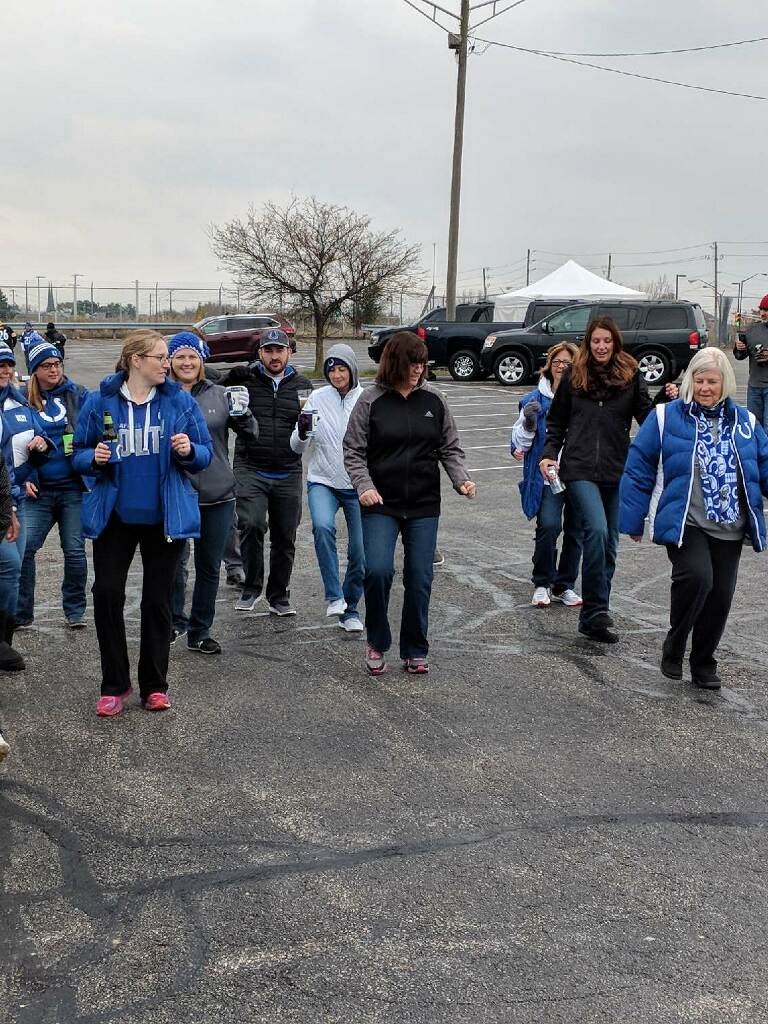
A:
x,y
569,598
540,598
5,748
352,624
336,607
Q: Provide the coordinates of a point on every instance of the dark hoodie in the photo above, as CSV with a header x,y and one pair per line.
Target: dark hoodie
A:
x,y
216,483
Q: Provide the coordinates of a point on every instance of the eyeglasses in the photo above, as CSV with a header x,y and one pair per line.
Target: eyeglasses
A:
x,y
560,362
160,359
53,365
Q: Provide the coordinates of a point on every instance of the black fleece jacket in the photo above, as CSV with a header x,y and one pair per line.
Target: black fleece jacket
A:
x,y
594,434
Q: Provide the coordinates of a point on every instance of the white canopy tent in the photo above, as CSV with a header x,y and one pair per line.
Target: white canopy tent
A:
x,y
571,281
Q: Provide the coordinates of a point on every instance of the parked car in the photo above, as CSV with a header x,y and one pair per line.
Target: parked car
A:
x,y
663,336
236,337
458,344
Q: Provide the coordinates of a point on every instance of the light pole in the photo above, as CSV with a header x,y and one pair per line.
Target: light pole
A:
x,y
741,284
677,284
74,295
458,43
39,307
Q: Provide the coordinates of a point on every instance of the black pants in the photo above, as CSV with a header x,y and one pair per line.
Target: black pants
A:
x,y
113,553
258,498
704,572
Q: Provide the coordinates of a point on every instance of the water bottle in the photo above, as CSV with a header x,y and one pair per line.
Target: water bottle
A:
x,y
555,483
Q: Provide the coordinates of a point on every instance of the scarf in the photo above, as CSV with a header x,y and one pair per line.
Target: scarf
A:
x,y
717,465
601,383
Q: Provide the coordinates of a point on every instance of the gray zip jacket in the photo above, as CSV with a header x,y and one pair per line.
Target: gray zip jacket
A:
x,y
216,483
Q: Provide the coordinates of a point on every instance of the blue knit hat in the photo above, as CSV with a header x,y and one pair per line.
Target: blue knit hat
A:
x,y
186,339
6,354
39,350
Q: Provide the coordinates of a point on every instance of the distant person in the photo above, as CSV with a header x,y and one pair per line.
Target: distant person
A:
x,y
54,488
268,473
754,347
28,329
54,336
587,441
7,337
215,486
329,488
399,433
699,469
553,580
139,434
31,340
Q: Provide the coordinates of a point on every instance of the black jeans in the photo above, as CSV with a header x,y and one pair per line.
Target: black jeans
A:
x,y
704,572
113,552
259,497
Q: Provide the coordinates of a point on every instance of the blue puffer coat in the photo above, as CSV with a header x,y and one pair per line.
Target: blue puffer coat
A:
x,y
532,484
181,415
665,500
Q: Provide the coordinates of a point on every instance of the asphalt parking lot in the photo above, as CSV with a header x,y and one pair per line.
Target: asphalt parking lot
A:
x,y
541,830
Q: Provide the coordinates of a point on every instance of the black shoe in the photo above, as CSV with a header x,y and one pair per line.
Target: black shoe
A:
x,y
602,621
10,660
175,634
207,646
671,668
710,681
599,633
235,579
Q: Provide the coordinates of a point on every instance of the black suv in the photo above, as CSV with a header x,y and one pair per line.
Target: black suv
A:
x,y
663,336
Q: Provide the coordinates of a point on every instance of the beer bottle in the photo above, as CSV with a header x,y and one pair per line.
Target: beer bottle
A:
x,y
109,433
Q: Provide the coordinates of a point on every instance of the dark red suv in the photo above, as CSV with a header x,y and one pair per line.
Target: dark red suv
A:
x,y
235,337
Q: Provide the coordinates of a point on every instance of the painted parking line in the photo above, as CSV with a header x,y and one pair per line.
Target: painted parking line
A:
x,y
482,447
480,415
474,430
492,469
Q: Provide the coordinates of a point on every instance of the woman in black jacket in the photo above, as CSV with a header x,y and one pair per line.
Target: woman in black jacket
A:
x,y
587,440
399,432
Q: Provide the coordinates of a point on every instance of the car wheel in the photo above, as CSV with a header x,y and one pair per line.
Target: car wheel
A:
x,y
464,365
655,367
511,368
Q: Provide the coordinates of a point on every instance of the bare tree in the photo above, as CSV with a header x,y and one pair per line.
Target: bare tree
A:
x,y
320,255
658,289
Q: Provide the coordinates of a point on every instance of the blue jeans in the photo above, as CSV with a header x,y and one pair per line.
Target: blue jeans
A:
x,y
380,534
40,514
11,556
324,502
215,525
598,506
556,514
757,403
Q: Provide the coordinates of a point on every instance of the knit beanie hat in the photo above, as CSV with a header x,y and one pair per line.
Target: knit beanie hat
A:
x,y
186,339
6,354
763,302
39,350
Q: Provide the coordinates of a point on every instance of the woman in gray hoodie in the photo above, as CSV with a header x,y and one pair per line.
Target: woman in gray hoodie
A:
x,y
216,493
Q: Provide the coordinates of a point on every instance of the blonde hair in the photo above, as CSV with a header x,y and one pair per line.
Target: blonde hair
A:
x,y
561,346
140,343
709,359
201,370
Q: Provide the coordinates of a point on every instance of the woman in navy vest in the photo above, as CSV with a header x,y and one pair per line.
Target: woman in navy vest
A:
x,y
554,513
698,469
141,498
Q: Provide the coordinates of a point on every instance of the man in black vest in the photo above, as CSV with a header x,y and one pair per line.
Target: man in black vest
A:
x,y
268,473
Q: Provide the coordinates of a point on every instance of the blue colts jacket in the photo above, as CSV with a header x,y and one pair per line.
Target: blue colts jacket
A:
x,y
181,414
532,483
665,496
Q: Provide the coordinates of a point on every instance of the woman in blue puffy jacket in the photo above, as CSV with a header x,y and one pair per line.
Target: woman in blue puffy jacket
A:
x,y
142,498
554,513
698,469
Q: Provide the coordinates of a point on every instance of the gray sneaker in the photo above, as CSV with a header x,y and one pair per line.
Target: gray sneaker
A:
x,y
247,601
282,607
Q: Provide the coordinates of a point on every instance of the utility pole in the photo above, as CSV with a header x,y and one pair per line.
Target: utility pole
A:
x,y
434,265
485,285
39,307
460,44
717,310
610,260
157,305
136,310
26,298
221,308
677,284
75,295
528,269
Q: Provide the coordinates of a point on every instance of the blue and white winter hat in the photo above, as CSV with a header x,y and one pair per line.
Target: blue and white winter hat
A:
x,y
39,350
186,339
6,354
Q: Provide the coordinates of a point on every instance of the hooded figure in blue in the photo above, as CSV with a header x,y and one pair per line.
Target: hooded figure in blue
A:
x,y
142,498
698,469
54,488
553,579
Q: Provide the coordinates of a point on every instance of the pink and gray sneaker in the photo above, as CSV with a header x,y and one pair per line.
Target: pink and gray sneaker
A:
x,y
156,702
110,705
416,666
374,662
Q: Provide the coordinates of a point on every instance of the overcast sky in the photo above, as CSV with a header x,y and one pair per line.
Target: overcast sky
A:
x,y
129,127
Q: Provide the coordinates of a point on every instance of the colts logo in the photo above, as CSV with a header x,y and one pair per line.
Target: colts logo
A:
x,y
59,412
745,428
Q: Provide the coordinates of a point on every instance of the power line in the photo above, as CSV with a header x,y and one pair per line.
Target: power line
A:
x,y
625,74
656,53
641,252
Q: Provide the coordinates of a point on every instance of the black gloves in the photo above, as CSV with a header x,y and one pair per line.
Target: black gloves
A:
x,y
531,415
